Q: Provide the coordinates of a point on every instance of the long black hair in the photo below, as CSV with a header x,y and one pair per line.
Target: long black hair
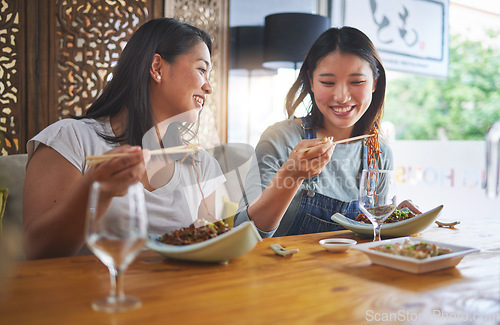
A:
x,y
129,87
347,40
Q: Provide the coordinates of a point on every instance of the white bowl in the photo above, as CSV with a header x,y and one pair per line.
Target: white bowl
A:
x,y
396,229
337,245
227,246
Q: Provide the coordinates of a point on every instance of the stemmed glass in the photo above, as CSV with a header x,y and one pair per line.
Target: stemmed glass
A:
x,y
377,197
116,231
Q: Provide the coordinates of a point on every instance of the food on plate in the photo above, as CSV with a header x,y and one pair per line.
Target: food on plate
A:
x,y
420,250
193,234
396,216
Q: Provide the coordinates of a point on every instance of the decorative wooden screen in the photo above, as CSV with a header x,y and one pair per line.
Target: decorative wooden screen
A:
x,y
10,77
90,38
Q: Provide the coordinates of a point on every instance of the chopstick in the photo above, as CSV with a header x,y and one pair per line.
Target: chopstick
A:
x,y
94,160
341,141
354,138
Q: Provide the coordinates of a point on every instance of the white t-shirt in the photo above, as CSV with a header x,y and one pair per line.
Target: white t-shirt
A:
x,y
169,207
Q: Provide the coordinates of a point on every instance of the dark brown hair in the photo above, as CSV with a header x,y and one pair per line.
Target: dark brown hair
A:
x,y
130,88
347,40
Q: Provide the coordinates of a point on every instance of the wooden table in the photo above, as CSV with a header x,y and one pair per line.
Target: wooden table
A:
x,y
312,287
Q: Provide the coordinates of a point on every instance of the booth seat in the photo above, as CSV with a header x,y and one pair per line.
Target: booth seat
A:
x,y
12,173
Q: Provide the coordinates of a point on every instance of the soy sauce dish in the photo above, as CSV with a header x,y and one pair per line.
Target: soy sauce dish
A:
x,y
337,245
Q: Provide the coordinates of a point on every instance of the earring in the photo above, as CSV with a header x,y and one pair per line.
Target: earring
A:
x,y
158,77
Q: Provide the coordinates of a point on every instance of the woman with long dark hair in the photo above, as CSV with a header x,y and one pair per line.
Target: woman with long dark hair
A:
x,y
158,87
301,181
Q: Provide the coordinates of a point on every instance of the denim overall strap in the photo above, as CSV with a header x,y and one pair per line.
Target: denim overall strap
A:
x,y
314,213
309,133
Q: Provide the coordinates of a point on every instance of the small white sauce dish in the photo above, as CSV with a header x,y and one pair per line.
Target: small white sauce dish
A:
x,y
337,245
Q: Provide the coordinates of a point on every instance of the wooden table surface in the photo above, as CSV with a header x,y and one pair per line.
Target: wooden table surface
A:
x,y
312,287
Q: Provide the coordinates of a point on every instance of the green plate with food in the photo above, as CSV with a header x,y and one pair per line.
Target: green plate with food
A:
x,y
397,226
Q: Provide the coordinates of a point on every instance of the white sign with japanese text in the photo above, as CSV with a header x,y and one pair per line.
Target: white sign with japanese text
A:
x,y
410,35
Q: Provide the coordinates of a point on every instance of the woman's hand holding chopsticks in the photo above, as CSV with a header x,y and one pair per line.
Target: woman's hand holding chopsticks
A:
x,y
306,160
309,158
127,167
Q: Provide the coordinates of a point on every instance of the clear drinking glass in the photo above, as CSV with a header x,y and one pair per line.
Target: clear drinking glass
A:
x,y
377,197
116,231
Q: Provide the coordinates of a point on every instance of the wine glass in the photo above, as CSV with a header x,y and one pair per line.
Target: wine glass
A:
x,y
116,231
377,197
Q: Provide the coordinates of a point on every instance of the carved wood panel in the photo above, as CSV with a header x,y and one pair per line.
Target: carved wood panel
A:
x,y
10,77
211,16
90,37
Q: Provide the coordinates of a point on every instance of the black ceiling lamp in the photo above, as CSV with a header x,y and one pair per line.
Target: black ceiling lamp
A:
x,y
246,50
246,54
289,36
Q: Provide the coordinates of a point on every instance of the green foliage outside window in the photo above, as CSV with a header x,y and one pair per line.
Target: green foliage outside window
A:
x,y
461,107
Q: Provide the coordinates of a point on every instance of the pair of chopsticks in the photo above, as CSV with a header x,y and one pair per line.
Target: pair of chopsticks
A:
x,y
341,141
94,160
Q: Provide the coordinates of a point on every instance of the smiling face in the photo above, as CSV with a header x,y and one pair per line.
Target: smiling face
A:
x,y
184,85
342,85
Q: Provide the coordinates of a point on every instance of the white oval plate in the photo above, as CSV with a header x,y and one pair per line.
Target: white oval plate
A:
x,y
413,265
223,248
396,229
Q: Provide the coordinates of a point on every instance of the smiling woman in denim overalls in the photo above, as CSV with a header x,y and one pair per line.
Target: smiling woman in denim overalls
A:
x,y
300,178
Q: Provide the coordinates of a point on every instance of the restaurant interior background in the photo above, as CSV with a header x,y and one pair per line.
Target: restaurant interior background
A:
x,y
442,169
52,65
53,59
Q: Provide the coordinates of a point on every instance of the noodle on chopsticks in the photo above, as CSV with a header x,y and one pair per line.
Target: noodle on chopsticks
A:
x,y
203,199
373,151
